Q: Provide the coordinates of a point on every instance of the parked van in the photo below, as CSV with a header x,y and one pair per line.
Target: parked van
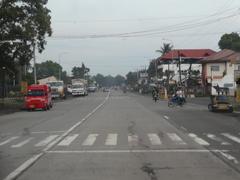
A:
x,y
38,97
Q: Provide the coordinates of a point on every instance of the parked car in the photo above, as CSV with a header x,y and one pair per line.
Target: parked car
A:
x,y
38,97
220,103
92,88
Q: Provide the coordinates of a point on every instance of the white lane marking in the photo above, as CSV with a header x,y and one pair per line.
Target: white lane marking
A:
x,y
154,139
111,140
46,141
198,139
22,143
233,138
229,157
68,140
218,139
174,137
133,140
17,172
166,117
23,167
46,132
140,151
9,140
90,140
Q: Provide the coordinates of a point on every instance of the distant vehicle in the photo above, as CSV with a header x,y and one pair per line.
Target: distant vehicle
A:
x,y
220,103
79,87
38,97
92,88
57,88
69,89
105,89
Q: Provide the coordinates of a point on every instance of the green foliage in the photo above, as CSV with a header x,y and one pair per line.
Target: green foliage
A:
x,y
165,48
24,24
152,68
132,78
48,68
108,81
80,72
230,41
119,80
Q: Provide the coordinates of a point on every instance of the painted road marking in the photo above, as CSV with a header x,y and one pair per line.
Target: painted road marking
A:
x,y
132,140
111,140
229,157
233,138
22,143
198,139
90,140
218,139
46,132
174,137
68,140
166,117
18,171
46,141
140,151
9,140
154,139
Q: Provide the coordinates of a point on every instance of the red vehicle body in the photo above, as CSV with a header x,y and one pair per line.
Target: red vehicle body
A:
x,y
38,97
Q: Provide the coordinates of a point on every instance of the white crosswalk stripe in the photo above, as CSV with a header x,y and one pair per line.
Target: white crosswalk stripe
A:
x,y
133,140
9,140
218,139
154,139
111,140
46,141
198,139
90,140
22,143
176,139
68,140
233,138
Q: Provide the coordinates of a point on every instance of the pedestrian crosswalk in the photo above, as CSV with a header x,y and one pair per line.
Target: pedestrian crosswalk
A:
x,y
131,140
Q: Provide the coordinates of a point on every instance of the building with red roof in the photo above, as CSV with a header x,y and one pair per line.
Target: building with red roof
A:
x,y
187,55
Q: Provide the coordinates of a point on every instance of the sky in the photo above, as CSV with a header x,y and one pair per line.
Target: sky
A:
x,y
117,36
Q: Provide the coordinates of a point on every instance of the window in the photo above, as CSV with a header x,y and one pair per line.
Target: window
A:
x,y
215,68
238,67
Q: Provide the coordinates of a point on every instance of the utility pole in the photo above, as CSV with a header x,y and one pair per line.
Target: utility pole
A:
x,y
34,63
179,68
156,70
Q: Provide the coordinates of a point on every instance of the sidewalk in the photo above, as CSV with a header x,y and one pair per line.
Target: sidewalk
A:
x,y
10,105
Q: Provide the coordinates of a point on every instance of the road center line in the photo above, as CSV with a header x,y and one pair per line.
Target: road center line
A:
x,y
27,164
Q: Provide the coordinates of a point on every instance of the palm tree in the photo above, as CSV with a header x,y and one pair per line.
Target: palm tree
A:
x,y
165,48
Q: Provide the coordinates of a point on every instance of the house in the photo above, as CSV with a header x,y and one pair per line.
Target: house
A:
x,y
221,70
190,59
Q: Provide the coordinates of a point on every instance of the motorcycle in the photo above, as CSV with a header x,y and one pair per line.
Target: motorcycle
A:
x,y
155,97
176,101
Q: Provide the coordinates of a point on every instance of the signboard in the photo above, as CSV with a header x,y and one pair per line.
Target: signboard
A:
x,y
143,75
24,86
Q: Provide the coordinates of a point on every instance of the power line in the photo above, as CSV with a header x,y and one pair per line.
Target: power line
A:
x,y
155,31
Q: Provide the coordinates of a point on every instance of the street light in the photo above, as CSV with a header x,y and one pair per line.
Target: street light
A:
x,y
59,61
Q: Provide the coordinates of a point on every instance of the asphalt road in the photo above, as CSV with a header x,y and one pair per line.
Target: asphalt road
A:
x,y
119,136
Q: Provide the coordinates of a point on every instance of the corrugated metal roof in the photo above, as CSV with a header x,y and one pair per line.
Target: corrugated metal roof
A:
x,y
223,56
196,54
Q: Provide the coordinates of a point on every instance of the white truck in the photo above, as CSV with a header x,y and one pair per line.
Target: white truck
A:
x,y
79,87
57,89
